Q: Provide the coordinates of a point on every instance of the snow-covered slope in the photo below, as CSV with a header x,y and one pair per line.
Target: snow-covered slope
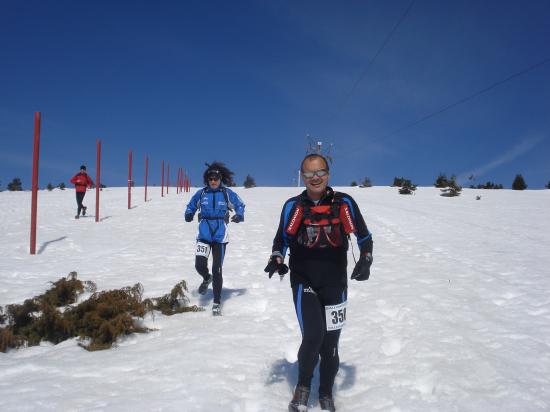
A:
x,y
455,317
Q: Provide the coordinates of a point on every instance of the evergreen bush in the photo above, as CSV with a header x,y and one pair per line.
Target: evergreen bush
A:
x,y
407,187
98,321
15,185
519,183
453,188
441,181
249,182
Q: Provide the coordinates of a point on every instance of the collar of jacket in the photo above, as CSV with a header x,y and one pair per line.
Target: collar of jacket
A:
x,y
325,200
218,189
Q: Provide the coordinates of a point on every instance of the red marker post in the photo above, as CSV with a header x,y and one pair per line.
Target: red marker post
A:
x,y
168,179
34,201
97,179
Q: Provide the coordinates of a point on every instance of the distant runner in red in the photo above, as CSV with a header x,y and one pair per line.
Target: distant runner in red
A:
x,y
81,181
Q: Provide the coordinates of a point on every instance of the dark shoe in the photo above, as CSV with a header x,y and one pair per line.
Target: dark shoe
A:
x,y
216,309
77,216
204,285
299,400
84,210
326,403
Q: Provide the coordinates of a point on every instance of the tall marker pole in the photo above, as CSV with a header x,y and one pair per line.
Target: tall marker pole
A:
x,y
34,201
130,179
168,178
97,179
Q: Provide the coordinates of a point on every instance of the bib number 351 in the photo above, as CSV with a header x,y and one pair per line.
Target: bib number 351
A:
x,y
335,316
203,249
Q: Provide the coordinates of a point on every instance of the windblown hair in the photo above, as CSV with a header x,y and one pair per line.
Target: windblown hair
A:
x,y
225,173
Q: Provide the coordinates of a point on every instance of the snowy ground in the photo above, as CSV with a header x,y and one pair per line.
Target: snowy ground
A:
x,y
456,316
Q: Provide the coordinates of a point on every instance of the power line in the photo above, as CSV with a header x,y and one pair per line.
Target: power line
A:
x,y
371,62
454,104
465,99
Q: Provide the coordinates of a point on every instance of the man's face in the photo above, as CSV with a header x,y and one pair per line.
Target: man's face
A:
x,y
316,185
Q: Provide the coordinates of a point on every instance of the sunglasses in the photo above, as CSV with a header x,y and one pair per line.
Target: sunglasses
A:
x,y
318,173
213,178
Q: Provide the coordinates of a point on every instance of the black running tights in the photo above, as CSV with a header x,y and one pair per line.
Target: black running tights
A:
x,y
316,341
201,264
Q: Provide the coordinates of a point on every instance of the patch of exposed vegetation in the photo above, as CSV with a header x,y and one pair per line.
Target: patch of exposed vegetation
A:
x,y
98,321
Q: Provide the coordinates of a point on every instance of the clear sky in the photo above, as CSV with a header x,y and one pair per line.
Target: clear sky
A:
x,y
399,88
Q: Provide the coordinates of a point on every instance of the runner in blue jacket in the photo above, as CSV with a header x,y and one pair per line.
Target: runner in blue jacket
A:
x,y
214,202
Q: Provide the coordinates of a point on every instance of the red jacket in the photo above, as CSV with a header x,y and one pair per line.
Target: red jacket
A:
x,y
81,181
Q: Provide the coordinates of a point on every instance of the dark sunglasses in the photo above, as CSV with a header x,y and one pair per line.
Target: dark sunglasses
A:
x,y
213,178
318,173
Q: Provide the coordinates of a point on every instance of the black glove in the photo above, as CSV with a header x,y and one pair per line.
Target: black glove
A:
x,y
188,217
362,268
237,218
273,266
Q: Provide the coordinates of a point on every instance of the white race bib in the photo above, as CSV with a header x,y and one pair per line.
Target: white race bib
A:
x,y
203,249
335,316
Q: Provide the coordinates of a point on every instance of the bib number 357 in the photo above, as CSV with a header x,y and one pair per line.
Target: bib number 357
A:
x,y
335,316
203,249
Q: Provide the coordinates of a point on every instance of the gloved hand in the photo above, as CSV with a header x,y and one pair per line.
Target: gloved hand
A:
x,y
188,217
274,266
362,268
237,218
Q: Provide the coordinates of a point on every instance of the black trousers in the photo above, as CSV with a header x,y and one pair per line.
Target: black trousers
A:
x,y
201,264
79,199
317,342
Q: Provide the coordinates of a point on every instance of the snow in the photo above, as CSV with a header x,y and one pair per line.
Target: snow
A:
x,y
455,317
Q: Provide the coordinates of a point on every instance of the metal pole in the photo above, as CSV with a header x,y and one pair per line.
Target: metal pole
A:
x,y
34,201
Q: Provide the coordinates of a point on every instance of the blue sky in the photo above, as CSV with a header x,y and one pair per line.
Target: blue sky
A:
x,y
245,82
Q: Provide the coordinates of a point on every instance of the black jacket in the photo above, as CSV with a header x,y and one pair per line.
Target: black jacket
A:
x,y
319,267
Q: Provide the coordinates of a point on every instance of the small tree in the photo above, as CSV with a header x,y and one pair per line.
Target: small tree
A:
x,y
49,187
441,181
398,181
15,185
519,183
353,184
453,188
61,186
249,182
548,185
407,187
366,182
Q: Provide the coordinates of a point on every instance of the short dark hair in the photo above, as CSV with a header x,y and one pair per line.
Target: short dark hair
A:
x,y
313,156
82,167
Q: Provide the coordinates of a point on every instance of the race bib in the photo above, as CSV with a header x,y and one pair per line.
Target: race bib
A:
x,y
335,316
203,249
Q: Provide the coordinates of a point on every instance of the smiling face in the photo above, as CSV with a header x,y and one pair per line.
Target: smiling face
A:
x,y
316,186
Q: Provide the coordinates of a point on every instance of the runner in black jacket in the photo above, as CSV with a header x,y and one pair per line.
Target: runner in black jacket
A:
x,y
315,226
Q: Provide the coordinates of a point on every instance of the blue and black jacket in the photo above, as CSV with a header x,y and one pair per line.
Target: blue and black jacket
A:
x,y
319,267
214,206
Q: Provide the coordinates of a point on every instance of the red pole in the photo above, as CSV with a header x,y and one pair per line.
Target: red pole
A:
x,y
130,179
179,180
146,173
34,201
97,179
162,182
168,178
